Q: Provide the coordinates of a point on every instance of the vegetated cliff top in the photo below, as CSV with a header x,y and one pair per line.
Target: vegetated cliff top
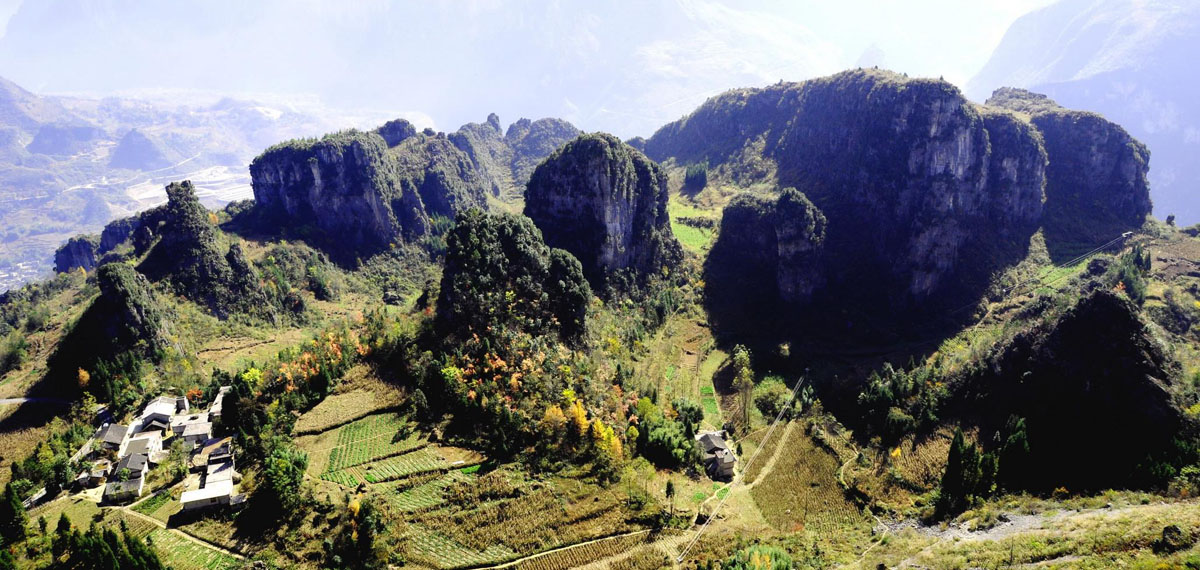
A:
x,y
606,203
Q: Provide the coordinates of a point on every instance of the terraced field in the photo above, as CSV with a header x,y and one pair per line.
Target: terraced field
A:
x,y
444,552
180,553
535,516
425,495
801,491
361,441
423,460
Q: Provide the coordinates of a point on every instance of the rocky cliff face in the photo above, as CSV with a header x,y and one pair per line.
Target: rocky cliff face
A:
x,y
355,194
773,247
606,204
440,174
79,251
344,185
924,193
507,158
135,314
1096,185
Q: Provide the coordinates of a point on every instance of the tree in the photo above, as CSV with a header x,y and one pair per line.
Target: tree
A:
x,y
12,516
671,495
284,470
771,396
743,381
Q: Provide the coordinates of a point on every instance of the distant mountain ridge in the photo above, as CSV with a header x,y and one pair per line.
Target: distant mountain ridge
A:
x,y
1126,59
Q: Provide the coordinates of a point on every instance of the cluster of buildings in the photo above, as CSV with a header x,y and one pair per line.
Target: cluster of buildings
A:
x,y
123,455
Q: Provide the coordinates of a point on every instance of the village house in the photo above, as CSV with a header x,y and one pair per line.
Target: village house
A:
x,y
133,468
214,460
215,409
98,473
180,423
148,444
111,436
719,460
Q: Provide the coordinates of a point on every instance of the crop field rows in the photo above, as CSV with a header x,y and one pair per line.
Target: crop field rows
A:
x,y
371,438
421,460
541,519
802,493
585,554
182,554
426,495
443,552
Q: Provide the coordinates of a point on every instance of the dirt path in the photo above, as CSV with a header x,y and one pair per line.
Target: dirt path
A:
x,y
770,466
669,545
185,535
4,401
513,563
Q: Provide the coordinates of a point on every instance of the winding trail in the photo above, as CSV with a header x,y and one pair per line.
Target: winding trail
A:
x,y
512,563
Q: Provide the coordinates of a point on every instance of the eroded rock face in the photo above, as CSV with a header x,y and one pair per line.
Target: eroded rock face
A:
x,y
606,204
345,185
1096,183
924,193
79,251
771,247
507,158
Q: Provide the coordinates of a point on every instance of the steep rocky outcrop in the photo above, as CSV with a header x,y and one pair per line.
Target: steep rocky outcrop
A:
x,y
353,194
188,255
1096,184
925,194
135,314
489,152
1098,360
772,246
606,203
78,252
396,131
533,141
345,185
127,318
441,174
507,158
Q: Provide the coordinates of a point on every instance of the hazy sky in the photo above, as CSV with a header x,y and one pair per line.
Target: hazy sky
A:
x,y
625,66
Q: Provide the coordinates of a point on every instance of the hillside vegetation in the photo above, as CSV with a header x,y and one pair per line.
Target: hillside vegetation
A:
x,y
905,369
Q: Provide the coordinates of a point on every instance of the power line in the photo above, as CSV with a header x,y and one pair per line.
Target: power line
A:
x,y
729,489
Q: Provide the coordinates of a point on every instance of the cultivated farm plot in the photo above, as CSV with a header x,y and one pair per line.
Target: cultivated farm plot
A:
x,y
545,516
361,441
444,552
585,554
182,554
415,462
801,491
425,495
371,438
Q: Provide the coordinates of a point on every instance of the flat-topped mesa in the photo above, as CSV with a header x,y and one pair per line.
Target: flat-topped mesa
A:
x,y
606,203
1096,184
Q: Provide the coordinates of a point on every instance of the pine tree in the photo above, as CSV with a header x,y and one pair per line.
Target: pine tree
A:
x,y
12,516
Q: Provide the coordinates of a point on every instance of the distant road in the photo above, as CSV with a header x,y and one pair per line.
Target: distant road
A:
x,y
34,401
